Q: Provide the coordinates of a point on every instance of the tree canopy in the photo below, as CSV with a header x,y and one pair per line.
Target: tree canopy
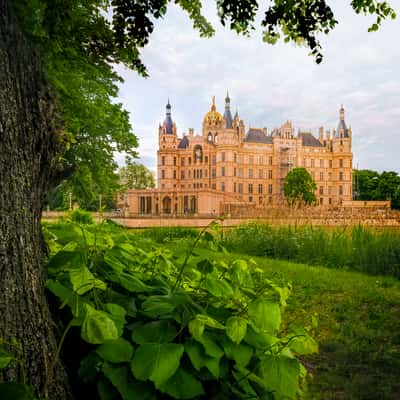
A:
x,y
136,176
372,185
299,188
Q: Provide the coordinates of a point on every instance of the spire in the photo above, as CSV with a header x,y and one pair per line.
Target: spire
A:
x,y
213,108
168,124
227,99
342,125
227,113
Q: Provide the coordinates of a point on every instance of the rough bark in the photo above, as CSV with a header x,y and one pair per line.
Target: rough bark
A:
x,y
29,131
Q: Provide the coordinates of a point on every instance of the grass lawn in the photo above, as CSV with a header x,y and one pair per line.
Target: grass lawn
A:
x,y
358,328
358,333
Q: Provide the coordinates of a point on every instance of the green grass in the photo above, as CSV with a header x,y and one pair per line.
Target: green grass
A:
x,y
356,248
358,328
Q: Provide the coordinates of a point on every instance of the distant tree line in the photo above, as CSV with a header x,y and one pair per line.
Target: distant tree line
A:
x,y
372,185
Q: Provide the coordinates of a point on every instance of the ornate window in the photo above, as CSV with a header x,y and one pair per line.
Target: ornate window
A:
x,y
198,153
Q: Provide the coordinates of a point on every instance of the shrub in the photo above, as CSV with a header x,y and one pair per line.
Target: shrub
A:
x,y
81,217
183,325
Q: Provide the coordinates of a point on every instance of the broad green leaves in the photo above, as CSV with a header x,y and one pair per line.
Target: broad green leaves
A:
x,y
154,332
182,385
98,327
219,328
116,351
156,362
236,329
266,315
280,375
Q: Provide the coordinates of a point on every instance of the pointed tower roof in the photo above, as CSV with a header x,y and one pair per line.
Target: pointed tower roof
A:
x,y
227,113
342,124
168,123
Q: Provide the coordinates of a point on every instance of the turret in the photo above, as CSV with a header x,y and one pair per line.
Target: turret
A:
x,y
227,113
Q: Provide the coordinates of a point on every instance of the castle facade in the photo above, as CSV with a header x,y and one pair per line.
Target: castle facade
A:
x,y
202,174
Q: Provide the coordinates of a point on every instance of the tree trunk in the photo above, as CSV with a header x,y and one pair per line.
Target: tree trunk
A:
x,y
29,146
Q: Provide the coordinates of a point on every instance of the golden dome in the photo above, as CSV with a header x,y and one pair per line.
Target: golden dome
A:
x,y
213,116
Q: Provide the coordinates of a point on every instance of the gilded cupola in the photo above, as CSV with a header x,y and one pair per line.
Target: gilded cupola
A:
x,y
213,117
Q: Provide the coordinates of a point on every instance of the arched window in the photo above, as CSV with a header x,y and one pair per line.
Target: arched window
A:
x,y
216,138
209,137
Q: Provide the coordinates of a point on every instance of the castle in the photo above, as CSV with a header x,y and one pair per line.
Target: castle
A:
x,y
202,174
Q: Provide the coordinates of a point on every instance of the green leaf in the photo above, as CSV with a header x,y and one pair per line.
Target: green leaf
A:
x,y
197,325
65,259
259,340
218,287
83,280
265,314
280,375
98,327
112,258
240,353
154,332
128,388
205,266
245,385
155,306
211,348
15,391
117,314
116,351
133,284
301,342
89,367
199,359
76,303
157,362
196,328
236,328
182,385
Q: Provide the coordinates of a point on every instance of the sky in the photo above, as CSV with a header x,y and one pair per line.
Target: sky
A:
x,y
270,84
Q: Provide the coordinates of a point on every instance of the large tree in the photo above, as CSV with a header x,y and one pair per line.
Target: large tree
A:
x,y
76,35
299,188
136,176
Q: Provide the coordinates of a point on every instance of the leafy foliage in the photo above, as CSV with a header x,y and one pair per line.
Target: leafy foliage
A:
x,y
371,185
299,188
177,323
136,176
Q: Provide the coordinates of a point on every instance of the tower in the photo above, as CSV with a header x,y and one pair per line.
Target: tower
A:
x,y
227,113
342,159
167,142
